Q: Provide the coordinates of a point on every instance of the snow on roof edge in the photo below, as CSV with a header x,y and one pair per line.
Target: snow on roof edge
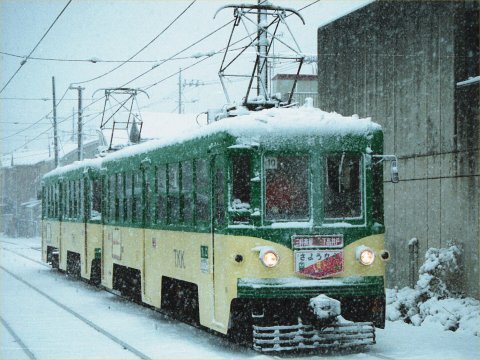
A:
x,y
256,127
347,12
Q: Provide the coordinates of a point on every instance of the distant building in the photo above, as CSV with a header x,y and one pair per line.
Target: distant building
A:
x,y
413,66
20,177
306,86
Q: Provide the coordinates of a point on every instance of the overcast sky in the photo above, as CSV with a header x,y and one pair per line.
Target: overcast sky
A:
x,y
116,30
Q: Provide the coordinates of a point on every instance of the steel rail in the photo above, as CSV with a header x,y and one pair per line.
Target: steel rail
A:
x,y
78,316
17,339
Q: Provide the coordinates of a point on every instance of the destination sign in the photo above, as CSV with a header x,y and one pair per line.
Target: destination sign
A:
x,y
317,241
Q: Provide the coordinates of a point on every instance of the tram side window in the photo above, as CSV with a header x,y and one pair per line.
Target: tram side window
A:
x,y
128,196
219,197
377,192
241,185
81,199
173,193
120,203
187,191
161,189
286,188
137,197
71,196
56,197
72,199
96,188
112,183
49,205
75,199
343,186
202,209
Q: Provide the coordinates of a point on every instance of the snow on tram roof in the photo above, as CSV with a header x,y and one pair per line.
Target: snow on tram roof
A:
x,y
248,127
77,165
264,125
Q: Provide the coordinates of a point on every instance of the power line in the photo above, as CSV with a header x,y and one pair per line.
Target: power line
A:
x,y
183,50
31,99
155,66
93,60
143,48
38,43
36,122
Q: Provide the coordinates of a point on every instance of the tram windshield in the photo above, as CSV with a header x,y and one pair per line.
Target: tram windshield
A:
x,y
286,188
343,186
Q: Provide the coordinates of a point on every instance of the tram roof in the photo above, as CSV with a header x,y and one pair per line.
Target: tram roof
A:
x,y
266,126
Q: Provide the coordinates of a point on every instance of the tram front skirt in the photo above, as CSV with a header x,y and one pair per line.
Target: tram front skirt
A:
x,y
329,331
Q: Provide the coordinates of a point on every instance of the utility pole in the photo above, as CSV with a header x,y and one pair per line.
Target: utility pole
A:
x,y
73,125
262,72
79,129
55,136
180,91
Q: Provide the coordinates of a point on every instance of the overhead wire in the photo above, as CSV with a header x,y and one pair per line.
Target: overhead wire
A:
x,y
143,48
38,43
154,84
36,122
93,60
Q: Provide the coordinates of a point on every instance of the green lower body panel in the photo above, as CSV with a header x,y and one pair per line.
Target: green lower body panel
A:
x,y
307,288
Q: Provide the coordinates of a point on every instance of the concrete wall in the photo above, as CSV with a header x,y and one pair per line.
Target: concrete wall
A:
x,y
399,63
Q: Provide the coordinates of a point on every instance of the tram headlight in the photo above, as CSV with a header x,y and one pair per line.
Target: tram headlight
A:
x,y
269,257
365,255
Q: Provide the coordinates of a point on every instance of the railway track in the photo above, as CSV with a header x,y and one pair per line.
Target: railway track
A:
x,y
118,341
64,307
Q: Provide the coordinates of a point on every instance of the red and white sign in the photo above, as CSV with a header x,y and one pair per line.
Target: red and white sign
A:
x,y
318,263
317,241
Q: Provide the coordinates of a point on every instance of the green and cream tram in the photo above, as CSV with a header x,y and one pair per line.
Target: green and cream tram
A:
x,y
267,227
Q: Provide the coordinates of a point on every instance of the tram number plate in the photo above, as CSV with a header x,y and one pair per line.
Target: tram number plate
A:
x,y
318,263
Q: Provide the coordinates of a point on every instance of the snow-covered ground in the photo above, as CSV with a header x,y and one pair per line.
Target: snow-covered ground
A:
x,y
49,331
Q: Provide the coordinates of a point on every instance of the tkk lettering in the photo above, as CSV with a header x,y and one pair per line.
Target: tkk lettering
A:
x,y
179,258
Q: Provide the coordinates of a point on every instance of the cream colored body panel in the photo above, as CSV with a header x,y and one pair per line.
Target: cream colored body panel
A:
x,y
216,291
50,236
73,239
122,246
177,254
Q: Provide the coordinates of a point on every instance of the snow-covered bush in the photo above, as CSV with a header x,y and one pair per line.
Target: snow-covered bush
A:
x,y
432,300
438,272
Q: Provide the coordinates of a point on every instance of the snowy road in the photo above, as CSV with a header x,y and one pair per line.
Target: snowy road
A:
x,y
45,315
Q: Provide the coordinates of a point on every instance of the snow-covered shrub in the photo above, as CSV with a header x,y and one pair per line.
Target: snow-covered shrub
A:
x,y
438,272
432,300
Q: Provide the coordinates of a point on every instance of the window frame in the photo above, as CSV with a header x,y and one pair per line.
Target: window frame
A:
x,y
356,220
309,158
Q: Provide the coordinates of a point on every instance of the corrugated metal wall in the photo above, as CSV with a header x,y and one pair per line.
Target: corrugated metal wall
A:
x,y
399,63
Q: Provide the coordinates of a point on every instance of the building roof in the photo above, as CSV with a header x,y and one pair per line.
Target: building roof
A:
x,y
37,156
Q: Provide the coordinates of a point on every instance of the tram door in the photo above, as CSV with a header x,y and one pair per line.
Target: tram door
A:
x,y
217,223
